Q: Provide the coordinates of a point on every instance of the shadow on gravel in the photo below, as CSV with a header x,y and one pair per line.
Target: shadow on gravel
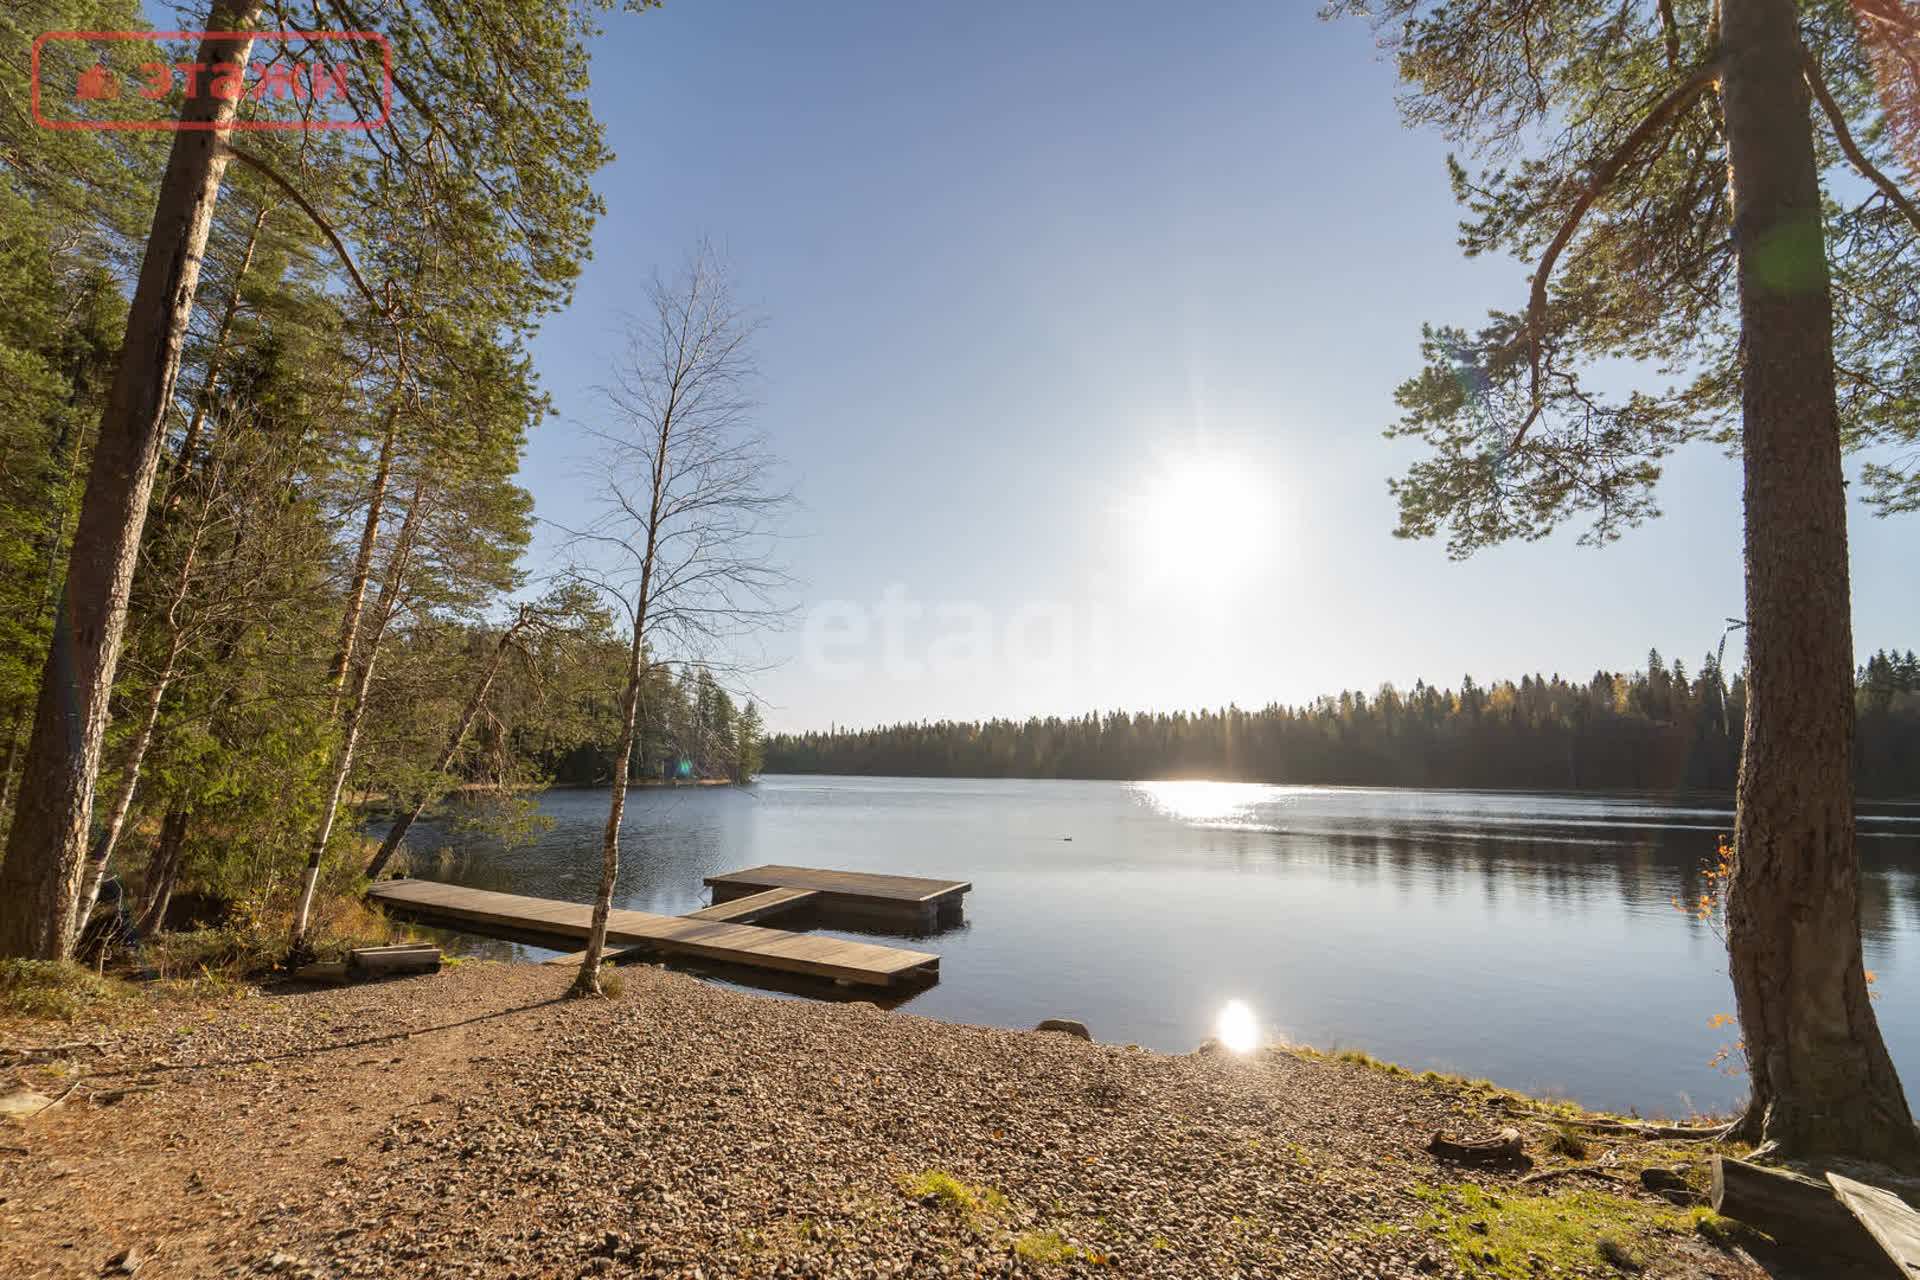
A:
x,y
309,1051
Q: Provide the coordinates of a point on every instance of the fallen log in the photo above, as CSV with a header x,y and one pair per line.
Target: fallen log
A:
x,y
23,1055
1504,1147
1640,1128
1793,1209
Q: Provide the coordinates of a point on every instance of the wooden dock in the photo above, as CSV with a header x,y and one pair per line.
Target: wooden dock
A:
x,y
862,899
715,933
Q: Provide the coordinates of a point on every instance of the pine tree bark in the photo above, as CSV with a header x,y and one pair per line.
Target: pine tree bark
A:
x,y
1822,1080
46,847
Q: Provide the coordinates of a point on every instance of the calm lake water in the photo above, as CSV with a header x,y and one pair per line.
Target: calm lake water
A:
x,y
1530,939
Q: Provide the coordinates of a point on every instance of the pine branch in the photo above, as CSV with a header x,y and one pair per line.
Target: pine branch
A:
x,y
1855,156
1663,112
326,228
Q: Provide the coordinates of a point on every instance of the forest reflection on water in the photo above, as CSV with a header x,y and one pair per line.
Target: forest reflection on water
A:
x,y
1528,938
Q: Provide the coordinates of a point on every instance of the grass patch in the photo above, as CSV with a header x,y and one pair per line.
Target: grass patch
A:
x,y
1047,1246
612,986
1361,1058
1520,1235
56,989
1563,1141
936,1186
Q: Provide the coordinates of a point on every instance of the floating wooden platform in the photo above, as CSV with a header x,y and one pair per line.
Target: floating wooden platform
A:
x,y
709,939
859,898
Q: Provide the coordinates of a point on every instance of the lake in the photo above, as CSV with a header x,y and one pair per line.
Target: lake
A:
x,y
1530,939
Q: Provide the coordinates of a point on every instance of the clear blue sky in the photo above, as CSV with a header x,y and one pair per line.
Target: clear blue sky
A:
x,y
1035,271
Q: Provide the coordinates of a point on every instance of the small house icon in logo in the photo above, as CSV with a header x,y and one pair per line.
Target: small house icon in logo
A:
x,y
97,82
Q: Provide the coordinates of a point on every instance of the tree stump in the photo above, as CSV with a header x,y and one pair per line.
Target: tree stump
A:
x,y
1504,1147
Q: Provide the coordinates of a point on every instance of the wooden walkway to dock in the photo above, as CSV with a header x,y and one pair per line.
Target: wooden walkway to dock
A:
x,y
910,903
715,933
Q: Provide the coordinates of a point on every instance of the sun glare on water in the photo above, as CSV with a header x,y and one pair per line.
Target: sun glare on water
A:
x,y
1236,1027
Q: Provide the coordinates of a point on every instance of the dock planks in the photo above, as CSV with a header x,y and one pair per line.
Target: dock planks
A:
x,y
808,954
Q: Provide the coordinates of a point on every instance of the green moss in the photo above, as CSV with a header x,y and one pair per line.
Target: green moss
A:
x,y
1720,1232
1047,1246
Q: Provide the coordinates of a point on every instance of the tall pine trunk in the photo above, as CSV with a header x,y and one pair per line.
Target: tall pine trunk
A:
x,y
47,845
1821,1077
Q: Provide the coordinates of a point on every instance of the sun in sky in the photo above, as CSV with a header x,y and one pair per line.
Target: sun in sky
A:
x,y
1200,523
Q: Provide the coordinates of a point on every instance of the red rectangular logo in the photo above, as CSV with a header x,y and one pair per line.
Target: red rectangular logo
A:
x,y
293,80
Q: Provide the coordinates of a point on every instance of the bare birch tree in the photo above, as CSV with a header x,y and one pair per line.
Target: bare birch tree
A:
x,y
683,540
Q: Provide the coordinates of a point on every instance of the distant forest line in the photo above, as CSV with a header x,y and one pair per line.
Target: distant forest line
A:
x,y
1654,729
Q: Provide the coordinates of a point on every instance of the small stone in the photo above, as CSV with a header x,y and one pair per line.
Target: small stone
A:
x,y
23,1102
124,1262
1066,1025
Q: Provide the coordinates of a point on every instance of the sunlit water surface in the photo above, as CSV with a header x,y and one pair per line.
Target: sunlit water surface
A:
x,y
1530,939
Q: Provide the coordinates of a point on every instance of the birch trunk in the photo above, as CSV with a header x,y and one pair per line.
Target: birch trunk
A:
x,y
588,981
398,832
356,714
1822,1080
103,847
363,560
163,869
46,847
216,358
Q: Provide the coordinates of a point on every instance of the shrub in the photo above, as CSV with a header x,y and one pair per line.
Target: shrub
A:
x,y
53,989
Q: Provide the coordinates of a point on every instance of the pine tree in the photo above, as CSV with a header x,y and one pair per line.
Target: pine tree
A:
x,y
1659,168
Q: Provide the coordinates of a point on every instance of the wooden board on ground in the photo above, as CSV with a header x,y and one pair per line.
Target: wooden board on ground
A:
x,y
402,959
757,906
845,884
1791,1207
1888,1219
744,944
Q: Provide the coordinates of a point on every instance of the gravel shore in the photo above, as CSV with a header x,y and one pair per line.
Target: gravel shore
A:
x,y
473,1123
